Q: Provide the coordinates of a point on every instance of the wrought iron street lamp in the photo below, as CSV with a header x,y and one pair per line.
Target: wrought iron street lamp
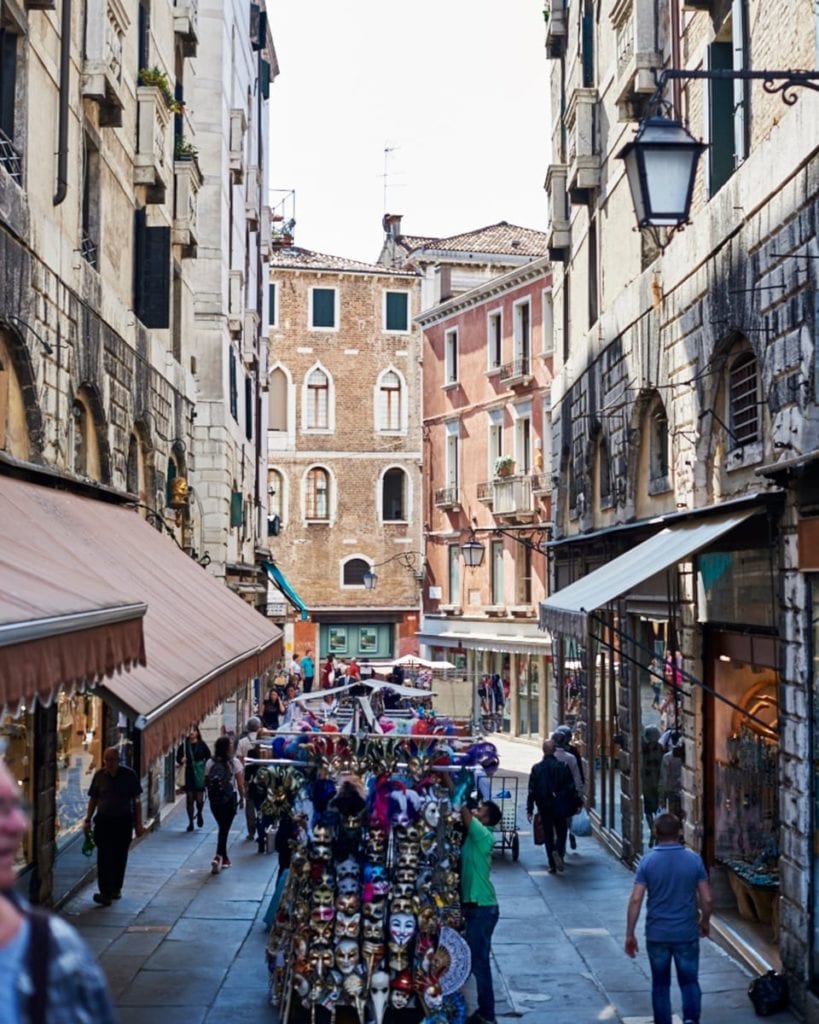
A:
x,y
472,551
661,161
413,561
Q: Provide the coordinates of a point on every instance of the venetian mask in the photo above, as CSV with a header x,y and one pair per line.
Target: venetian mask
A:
x,y
347,926
322,915
399,999
381,887
372,929
374,872
410,834
373,952
374,909
353,985
432,997
432,813
322,897
322,834
321,958
403,905
322,932
347,903
321,852
347,868
379,994
399,957
402,988
406,875
402,928
408,859
348,956
376,841
427,920
301,985
403,890
348,887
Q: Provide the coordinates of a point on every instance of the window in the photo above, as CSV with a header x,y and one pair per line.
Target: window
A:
x,y
132,466
318,401
249,397
604,469
272,308
548,323
275,493
277,401
144,34
451,357
317,495
396,312
494,339
454,574
10,157
522,331
393,496
323,309
594,295
523,445
743,401
79,429
90,237
152,272
495,442
233,383
658,442
497,572
389,408
353,572
727,101
523,574
452,430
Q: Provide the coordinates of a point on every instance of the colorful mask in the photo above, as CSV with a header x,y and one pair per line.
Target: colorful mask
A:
x,y
321,958
402,928
347,903
372,929
347,926
348,868
348,887
432,813
374,909
348,957
373,952
322,914
322,897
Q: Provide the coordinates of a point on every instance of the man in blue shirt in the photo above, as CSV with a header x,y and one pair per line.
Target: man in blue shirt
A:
x,y
676,882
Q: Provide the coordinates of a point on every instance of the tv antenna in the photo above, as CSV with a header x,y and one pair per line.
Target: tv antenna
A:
x,y
389,149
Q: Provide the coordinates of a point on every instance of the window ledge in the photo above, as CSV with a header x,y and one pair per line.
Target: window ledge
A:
x,y
323,330
319,430
493,371
451,385
743,456
316,522
495,611
659,485
395,522
451,609
397,334
522,611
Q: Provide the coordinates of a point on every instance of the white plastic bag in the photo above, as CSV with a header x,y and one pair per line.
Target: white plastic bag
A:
x,y
581,823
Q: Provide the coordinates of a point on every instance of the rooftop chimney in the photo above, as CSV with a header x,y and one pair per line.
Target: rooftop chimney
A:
x,y
392,224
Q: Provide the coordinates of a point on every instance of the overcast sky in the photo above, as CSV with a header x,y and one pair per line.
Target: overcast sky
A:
x,y
458,88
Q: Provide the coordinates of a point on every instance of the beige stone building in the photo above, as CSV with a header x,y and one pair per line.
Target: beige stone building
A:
x,y
344,440
103,500
685,444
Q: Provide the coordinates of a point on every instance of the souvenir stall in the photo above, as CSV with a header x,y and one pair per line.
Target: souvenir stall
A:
x,y
366,922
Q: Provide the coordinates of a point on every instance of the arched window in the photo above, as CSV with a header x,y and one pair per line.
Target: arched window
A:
x,y
275,493
743,399
389,414
353,573
317,494
79,429
318,401
132,467
657,424
604,469
394,495
277,400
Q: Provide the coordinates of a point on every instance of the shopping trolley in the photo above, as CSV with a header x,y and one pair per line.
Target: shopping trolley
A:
x,y
503,790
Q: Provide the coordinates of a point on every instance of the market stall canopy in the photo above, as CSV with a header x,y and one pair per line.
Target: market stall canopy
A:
x,y
65,619
568,610
371,684
414,661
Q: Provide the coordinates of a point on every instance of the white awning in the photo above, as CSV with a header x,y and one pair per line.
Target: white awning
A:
x,y
506,642
567,611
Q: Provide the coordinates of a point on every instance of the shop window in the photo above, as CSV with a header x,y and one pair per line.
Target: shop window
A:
x,y
317,495
79,754
353,572
743,400
394,496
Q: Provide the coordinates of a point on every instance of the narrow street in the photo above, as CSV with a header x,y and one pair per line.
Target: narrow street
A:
x,y
181,937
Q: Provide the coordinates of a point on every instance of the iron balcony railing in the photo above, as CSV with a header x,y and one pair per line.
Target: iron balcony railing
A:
x,y
519,367
446,497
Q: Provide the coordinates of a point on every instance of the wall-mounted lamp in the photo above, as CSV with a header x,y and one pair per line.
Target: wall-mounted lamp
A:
x,y
472,551
413,561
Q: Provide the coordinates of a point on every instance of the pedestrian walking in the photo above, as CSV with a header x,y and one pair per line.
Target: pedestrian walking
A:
x,y
551,790
225,783
677,916
479,902
193,755
295,674
272,709
328,673
651,759
245,745
49,973
308,670
561,741
115,807
566,730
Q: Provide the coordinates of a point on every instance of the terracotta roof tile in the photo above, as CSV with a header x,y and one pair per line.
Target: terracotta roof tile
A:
x,y
497,239
296,258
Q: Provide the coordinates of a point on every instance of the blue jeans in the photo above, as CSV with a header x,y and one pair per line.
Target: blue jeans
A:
x,y
686,957
480,923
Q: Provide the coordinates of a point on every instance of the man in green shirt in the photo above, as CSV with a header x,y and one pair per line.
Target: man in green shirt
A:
x,y
478,900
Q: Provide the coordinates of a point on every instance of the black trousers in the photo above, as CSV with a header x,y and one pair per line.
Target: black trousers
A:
x,y
224,816
555,830
113,837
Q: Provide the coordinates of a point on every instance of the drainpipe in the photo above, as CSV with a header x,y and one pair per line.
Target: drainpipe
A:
x,y
62,135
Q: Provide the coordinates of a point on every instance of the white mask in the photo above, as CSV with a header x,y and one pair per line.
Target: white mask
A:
x,y
402,928
379,994
347,956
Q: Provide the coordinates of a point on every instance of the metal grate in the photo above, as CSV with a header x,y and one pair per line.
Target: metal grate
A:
x,y
10,158
743,400
88,251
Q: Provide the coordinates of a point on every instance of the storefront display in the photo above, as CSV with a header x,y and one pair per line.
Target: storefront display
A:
x,y
79,754
17,737
368,917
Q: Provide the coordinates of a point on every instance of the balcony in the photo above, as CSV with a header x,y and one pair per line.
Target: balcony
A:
x,y
236,157
516,374
633,22
485,492
106,25
541,484
558,232
513,498
150,165
236,302
186,25
250,337
253,201
583,159
188,181
556,26
447,498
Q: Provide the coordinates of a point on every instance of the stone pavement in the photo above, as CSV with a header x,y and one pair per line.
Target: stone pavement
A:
x,y
185,945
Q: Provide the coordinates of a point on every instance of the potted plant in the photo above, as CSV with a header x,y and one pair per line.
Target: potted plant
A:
x,y
159,80
184,150
504,465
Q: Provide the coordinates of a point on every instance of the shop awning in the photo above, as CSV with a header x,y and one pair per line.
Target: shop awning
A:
x,y
281,581
567,611
507,642
65,620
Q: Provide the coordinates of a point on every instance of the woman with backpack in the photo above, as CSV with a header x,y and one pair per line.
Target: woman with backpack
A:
x,y
225,783
194,754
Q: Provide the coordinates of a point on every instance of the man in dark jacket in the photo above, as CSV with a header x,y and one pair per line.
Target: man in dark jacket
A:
x,y
552,791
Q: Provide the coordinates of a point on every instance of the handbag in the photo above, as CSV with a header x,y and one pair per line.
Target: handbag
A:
x,y
581,823
769,993
537,830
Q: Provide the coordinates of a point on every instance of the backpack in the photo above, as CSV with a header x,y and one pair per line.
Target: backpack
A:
x,y
219,783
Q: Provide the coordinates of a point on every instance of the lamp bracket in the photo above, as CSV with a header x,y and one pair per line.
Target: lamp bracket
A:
x,y
779,81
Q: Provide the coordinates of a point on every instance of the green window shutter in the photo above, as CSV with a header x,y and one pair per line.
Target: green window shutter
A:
x,y
234,386
271,305
236,509
588,50
264,78
721,118
324,307
397,311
